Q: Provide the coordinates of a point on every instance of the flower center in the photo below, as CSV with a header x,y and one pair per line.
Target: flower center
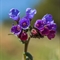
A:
x,y
24,24
37,25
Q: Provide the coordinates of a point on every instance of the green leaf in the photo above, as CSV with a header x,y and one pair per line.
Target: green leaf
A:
x,y
29,56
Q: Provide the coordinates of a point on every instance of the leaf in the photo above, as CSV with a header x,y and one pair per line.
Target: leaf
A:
x,y
29,56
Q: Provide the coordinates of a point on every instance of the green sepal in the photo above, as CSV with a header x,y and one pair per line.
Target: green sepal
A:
x,y
23,41
30,28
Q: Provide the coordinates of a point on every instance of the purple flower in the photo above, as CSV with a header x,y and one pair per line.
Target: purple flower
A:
x,y
48,18
51,34
39,24
14,14
30,13
24,23
52,26
16,29
49,30
44,31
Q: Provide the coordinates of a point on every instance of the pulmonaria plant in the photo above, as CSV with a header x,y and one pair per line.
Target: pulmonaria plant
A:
x,y
42,27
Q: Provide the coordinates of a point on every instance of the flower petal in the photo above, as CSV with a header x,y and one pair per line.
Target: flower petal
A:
x,y
30,13
39,24
14,14
24,23
16,29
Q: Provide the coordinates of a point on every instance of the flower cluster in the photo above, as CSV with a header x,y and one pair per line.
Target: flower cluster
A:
x,y
42,27
23,24
46,26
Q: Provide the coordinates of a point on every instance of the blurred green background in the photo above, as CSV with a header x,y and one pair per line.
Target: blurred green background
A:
x,y
44,49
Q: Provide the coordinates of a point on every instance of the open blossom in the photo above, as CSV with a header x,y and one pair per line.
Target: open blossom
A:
x,y
52,26
14,14
39,24
48,18
24,23
44,31
30,13
16,29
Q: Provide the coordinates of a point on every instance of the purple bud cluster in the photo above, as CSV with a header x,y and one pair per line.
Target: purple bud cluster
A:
x,y
42,27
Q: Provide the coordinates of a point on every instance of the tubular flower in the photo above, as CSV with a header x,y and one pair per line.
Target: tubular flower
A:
x,y
14,14
24,23
52,26
51,34
44,31
30,13
39,24
48,18
16,29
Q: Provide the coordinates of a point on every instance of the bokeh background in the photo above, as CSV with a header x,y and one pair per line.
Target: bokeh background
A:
x,y
44,49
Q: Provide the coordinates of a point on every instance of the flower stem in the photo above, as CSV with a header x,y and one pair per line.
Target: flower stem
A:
x,y
26,47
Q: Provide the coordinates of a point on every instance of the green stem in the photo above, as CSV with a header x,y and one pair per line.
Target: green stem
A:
x,y
26,48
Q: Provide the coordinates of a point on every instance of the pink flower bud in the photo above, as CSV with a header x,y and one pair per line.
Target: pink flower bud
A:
x,y
23,36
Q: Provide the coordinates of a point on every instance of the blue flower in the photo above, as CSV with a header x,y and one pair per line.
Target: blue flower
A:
x,y
16,29
39,24
48,18
52,26
30,13
24,23
14,14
